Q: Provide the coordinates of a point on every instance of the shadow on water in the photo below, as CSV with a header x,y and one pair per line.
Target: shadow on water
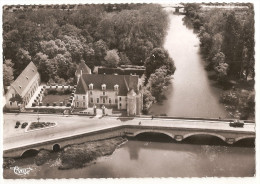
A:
x,y
193,140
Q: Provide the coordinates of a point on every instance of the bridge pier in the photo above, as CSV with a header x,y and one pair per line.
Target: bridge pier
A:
x,y
230,140
178,138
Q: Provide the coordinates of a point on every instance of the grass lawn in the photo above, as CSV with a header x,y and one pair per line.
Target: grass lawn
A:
x,y
55,98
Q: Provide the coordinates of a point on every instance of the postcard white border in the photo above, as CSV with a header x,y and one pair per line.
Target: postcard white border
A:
x,y
214,180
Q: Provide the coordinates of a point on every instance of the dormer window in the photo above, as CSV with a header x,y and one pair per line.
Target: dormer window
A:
x,y
103,87
20,87
116,87
90,86
27,78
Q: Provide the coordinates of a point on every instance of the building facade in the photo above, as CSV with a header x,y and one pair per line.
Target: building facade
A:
x,y
23,88
121,92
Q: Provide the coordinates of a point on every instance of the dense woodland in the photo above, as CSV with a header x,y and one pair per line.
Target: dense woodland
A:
x,y
108,35
227,44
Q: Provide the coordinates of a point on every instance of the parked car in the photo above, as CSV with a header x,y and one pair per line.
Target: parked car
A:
x,y
24,124
17,124
236,123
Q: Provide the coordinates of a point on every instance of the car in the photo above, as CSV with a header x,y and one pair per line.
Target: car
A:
x,y
24,124
17,124
236,123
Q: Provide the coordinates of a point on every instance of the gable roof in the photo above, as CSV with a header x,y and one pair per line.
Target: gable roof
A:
x,y
82,67
25,79
81,87
125,82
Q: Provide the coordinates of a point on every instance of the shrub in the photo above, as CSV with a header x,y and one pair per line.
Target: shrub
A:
x,y
52,92
68,104
33,104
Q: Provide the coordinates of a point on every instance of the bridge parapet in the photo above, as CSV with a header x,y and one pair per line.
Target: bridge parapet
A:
x,y
177,134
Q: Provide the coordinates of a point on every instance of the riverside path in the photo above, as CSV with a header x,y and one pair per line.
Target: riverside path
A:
x,y
77,129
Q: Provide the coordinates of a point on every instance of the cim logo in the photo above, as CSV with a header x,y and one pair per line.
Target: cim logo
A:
x,y
21,171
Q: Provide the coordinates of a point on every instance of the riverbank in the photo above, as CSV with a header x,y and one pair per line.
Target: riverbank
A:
x,y
72,156
233,72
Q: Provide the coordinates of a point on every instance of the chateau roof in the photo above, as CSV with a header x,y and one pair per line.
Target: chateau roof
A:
x,y
125,82
81,87
25,79
83,67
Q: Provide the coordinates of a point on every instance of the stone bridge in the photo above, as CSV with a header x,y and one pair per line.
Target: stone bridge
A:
x,y
176,133
175,8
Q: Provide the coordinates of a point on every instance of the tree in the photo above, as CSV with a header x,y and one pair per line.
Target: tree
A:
x,y
111,59
159,57
74,47
218,58
7,73
158,83
44,67
221,70
100,48
23,58
148,99
63,65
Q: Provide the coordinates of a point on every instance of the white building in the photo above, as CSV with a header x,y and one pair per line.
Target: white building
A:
x,y
23,87
116,91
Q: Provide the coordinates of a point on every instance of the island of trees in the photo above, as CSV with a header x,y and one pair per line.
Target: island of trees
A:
x,y
56,40
227,44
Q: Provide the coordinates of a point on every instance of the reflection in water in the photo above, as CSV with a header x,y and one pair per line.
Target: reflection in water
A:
x,y
145,158
191,93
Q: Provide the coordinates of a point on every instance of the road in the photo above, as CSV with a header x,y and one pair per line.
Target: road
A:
x,y
74,125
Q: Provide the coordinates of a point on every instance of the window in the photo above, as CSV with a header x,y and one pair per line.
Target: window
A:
x,y
11,103
90,92
104,100
119,98
116,87
109,100
97,100
90,86
120,105
83,97
83,104
91,100
104,93
77,104
103,87
116,101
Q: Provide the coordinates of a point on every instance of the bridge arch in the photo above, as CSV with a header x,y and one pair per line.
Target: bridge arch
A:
x,y
244,137
56,147
154,131
205,133
29,152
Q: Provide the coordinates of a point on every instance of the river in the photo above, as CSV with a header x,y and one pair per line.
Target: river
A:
x,y
191,94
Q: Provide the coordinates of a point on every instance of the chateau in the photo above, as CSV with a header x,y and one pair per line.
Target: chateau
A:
x,y
24,86
122,92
